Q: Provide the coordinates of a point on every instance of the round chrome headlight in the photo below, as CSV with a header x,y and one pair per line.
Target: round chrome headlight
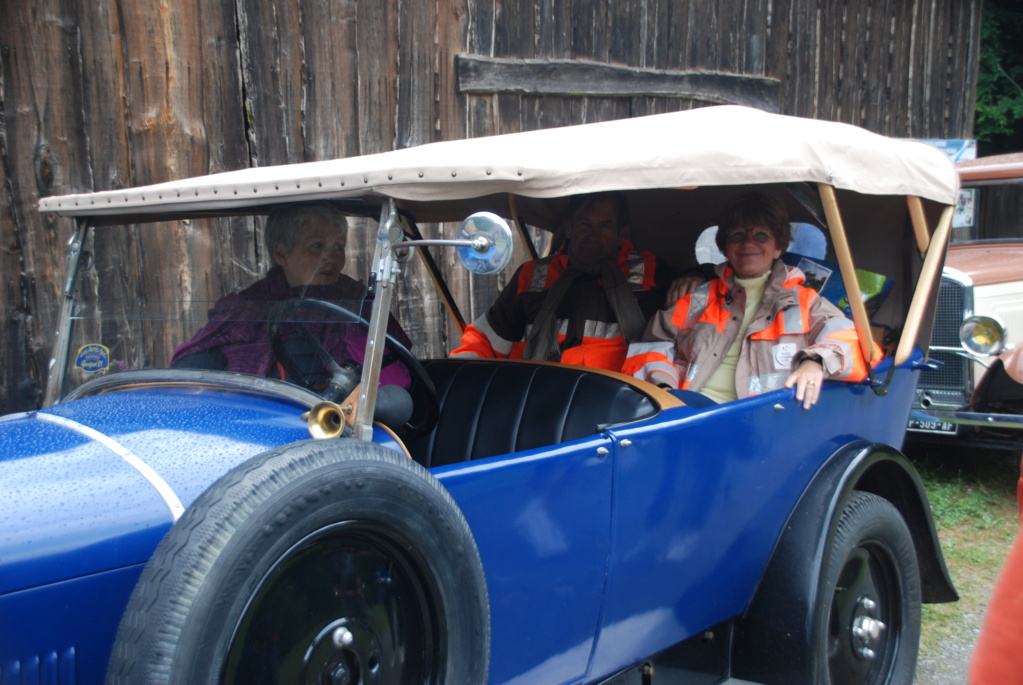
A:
x,y
983,335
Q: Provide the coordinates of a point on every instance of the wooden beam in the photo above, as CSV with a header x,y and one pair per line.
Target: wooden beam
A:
x,y
848,270
930,274
916,213
487,75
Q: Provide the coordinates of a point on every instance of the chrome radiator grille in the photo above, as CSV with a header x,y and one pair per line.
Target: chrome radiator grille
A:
x,y
952,376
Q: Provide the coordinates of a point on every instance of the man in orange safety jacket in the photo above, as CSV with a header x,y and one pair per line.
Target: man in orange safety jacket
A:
x,y
582,306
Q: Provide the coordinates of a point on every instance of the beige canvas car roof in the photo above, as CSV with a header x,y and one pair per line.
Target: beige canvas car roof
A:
x,y
711,146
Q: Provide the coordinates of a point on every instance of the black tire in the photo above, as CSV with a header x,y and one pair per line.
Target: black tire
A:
x,y
321,562
868,621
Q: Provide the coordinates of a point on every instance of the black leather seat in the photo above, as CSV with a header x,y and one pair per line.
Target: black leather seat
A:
x,y
491,407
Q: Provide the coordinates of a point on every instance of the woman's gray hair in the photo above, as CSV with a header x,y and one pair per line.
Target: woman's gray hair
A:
x,y
285,224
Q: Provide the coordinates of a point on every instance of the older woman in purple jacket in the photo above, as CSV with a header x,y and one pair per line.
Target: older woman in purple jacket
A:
x,y
307,243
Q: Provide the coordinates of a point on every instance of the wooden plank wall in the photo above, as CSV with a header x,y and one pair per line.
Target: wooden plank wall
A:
x,y
108,94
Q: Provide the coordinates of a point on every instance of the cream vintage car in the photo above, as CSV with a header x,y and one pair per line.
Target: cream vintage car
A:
x,y
974,395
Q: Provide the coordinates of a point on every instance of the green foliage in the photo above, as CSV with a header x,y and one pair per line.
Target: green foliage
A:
x,y
999,122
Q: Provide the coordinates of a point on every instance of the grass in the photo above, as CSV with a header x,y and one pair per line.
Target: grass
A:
x,y
973,496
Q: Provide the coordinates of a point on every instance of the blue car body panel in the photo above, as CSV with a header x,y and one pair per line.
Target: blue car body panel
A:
x,y
74,501
74,624
697,502
93,510
542,524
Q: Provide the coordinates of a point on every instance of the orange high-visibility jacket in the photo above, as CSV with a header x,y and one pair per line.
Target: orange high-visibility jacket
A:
x,y
997,658
588,330
684,345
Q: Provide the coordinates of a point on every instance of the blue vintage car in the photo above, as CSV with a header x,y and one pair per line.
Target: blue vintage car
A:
x,y
523,522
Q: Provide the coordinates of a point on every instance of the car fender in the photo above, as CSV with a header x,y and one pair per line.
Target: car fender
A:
x,y
1002,383
92,485
771,636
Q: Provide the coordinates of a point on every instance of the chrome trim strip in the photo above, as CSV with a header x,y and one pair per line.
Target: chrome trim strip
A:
x,y
953,274
161,486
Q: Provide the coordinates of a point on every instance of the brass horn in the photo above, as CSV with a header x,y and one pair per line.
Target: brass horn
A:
x,y
326,419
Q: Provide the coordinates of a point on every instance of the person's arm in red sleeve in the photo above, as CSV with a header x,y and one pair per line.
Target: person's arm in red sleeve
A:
x,y
998,656
495,333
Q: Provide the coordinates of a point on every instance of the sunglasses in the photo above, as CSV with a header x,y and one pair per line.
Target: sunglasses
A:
x,y
739,236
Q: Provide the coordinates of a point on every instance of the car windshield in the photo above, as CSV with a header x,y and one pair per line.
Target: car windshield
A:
x,y
989,212
220,306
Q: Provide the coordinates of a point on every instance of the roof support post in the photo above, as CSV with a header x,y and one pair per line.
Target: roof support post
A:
x,y
65,326
527,240
916,213
929,274
848,270
385,275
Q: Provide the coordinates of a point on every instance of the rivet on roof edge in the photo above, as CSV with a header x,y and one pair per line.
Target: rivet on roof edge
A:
x,y
454,174
420,174
489,172
520,172
390,177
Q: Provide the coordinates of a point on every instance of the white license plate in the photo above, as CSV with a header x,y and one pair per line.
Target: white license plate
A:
x,y
920,426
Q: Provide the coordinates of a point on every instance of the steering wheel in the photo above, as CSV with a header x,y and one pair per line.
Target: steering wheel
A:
x,y
422,384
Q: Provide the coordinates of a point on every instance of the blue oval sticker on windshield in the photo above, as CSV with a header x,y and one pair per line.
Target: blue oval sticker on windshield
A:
x,y
92,358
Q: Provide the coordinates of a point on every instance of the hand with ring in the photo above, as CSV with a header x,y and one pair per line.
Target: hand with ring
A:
x,y
807,378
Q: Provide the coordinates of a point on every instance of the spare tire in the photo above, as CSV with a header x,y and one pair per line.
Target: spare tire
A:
x,y
321,562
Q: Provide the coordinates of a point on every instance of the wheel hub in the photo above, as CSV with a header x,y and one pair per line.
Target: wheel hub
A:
x,y
867,629
340,675
343,653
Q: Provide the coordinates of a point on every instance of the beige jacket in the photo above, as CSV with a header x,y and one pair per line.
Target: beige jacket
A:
x,y
683,345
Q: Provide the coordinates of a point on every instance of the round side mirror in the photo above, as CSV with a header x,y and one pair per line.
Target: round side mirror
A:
x,y
983,336
492,243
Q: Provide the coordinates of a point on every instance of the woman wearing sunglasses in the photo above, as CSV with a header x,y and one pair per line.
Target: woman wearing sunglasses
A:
x,y
755,327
